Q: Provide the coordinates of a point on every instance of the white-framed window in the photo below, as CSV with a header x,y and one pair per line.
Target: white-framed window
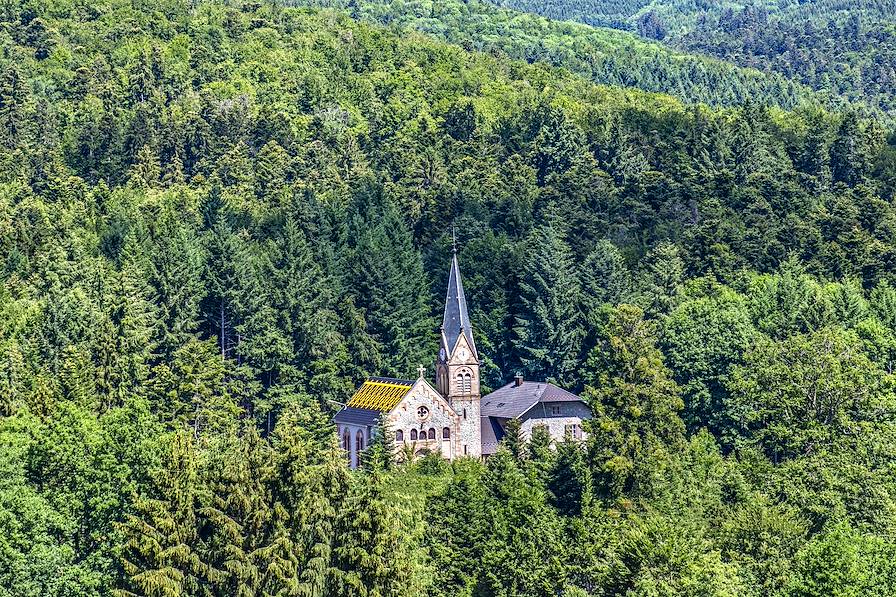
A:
x,y
573,430
555,410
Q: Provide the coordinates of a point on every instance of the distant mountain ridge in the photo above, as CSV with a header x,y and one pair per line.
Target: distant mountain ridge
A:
x,y
606,56
846,49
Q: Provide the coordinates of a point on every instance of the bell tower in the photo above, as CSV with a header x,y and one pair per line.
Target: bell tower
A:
x,y
457,367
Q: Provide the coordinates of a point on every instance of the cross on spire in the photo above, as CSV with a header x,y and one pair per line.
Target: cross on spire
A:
x,y
421,371
453,240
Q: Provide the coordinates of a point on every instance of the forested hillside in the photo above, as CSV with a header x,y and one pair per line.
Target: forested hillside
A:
x,y
216,218
842,48
605,56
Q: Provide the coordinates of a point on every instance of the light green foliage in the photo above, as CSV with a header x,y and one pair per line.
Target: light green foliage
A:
x,y
794,396
635,404
702,339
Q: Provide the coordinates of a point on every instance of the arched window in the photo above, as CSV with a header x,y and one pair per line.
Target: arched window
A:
x,y
460,383
432,433
468,383
413,435
446,433
347,445
359,442
399,436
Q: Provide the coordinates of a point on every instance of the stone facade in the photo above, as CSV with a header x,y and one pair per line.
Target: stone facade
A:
x,y
558,417
425,421
457,377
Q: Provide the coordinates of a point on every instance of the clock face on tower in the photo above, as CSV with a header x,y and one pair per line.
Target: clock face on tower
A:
x,y
463,353
442,353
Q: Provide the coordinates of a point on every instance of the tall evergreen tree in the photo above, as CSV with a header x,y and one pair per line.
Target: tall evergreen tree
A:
x,y
548,331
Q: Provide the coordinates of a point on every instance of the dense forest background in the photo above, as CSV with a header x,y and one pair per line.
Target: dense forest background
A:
x,y
217,217
844,48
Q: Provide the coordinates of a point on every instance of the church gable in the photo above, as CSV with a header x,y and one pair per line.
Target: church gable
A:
x,y
425,421
422,393
462,353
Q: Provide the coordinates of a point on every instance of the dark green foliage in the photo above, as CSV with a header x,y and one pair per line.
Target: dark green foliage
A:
x,y
549,330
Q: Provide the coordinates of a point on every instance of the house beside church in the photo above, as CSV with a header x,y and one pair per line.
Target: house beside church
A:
x,y
450,417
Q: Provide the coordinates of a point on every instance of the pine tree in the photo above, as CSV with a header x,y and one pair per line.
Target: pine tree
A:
x,y
548,332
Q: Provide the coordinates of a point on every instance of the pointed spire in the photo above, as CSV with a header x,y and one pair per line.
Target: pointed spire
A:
x,y
456,320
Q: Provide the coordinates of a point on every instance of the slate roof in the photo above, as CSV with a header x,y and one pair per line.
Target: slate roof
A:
x,y
512,401
456,320
358,416
380,393
491,433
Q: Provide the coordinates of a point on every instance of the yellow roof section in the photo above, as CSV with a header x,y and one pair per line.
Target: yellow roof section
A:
x,y
380,393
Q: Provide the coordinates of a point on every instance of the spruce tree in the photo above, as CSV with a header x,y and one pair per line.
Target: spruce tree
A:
x,y
662,278
548,332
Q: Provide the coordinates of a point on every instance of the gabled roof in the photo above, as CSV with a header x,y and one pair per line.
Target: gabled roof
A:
x,y
456,320
512,400
380,394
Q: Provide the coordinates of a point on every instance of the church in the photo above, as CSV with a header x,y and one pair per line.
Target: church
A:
x,y
452,418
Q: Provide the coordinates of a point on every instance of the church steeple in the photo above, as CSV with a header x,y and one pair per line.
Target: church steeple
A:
x,y
457,367
456,320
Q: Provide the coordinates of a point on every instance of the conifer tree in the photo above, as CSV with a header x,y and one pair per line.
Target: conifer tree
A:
x,y
605,277
389,284
458,519
161,555
514,441
304,300
570,479
176,278
234,523
662,278
377,548
541,456
548,332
